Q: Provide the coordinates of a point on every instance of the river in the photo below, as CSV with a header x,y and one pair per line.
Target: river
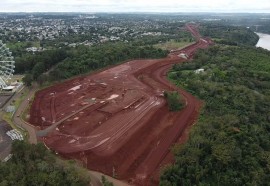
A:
x,y
264,41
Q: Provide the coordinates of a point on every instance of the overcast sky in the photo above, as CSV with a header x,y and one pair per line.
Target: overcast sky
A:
x,y
260,6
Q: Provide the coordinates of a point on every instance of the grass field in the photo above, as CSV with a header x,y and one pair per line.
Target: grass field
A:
x,y
15,78
22,45
172,44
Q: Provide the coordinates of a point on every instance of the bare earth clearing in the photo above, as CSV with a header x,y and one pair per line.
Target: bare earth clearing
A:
x,y
116,121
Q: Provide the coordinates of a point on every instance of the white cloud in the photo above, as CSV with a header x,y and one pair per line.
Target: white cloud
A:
x,y
135,5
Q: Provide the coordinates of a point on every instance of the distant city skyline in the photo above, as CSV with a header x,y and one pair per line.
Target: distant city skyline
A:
x,y
230,6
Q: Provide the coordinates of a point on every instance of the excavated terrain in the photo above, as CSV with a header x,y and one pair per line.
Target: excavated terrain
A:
x,y
116,121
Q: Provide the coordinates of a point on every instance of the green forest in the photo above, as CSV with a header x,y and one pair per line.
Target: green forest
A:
x,y
35,165
229,35
229,144
67,62
85,59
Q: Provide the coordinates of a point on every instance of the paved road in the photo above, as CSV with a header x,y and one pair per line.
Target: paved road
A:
x,y
17,120
17,116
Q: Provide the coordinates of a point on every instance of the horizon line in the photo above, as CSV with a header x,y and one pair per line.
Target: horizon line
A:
x,y
134,12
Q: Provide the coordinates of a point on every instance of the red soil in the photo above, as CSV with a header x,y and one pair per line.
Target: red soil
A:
x,y
116,121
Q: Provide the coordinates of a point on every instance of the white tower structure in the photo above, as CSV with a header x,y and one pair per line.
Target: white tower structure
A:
x,y
6,65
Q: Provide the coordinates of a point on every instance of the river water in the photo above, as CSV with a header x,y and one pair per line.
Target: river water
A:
x,y
264,41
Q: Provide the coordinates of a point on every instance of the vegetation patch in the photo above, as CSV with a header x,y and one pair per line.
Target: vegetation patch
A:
x,y
229,35
80,60
35,165
105,181
174,100
230,143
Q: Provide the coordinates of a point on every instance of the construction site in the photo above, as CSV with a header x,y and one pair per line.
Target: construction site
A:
x,y
117,121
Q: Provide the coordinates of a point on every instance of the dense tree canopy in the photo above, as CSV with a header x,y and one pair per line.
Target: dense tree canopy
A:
x,y
230,143
39,62
85,59
35,165
229,35
68,62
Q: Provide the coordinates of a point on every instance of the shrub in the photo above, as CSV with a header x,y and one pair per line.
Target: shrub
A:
x,y
174,100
